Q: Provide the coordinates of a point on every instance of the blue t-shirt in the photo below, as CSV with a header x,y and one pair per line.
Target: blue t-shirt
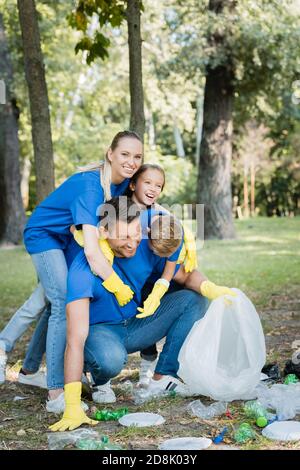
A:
x,y
76,202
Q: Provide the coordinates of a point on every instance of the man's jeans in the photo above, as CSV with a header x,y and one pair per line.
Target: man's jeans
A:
x,y
52,271
24,316
107,345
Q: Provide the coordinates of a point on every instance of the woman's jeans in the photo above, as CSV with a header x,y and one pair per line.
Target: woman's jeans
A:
x,y
108,345
52,271
24,316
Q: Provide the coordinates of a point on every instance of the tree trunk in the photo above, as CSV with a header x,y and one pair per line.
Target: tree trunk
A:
x,y
252,188
178,142
12,213
246,194
137,116
38,96
214,180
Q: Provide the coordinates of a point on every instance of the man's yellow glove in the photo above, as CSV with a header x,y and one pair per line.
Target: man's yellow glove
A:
x,y
103,244
188,253
153,300
74,416
212,291
116,286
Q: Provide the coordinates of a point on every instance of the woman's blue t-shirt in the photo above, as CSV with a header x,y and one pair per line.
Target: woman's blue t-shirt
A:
x,y
76,202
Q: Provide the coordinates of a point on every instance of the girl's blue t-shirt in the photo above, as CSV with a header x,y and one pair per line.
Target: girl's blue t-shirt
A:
x,y
76,201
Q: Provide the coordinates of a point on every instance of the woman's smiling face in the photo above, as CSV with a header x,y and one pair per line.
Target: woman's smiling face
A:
x,y
126,158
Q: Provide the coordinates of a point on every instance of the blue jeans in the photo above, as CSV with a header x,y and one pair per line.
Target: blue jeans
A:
x,y
24,316
37,345
52,271
108,345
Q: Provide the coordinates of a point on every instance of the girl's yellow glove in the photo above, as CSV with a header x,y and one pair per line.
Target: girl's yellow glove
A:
x,y
212,291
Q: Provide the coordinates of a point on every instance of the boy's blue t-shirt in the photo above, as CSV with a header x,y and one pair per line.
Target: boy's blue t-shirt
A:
x,y
76,202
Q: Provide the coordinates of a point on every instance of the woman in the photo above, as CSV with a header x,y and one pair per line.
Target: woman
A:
x,y
47,234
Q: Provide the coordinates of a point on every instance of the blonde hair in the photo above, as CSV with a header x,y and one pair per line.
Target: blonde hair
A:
x,y
105,166
165,235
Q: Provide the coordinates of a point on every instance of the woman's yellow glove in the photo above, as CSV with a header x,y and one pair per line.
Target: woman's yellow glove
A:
x,y
116,286
188,253
74,416
153,300
103,244
212,291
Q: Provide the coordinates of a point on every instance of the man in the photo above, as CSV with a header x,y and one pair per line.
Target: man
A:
x,y
101,334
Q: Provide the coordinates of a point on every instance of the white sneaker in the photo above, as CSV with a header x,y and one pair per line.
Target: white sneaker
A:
x,y
146,372
166,385
3,360
35,380
104,394
58,405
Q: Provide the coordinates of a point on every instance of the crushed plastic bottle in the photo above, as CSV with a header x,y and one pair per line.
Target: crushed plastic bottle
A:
x,y
284,399
254,409
59,440
244,433
291,379
197,408
142,395
107,415
97,444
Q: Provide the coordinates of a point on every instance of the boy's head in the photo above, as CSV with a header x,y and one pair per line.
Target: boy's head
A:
x,y
120,225
165,235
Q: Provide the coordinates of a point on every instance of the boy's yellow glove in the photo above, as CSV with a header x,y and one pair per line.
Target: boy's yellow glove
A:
x,y
212,291
153,300
188,253
74,416
116,286
103,244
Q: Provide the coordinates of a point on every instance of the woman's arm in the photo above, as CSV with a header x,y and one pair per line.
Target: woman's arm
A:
x,y
77,332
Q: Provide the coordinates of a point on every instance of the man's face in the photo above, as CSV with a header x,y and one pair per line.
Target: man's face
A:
x,y
124,238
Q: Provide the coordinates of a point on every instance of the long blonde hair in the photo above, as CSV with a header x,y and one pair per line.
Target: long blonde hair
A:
x,y
105,166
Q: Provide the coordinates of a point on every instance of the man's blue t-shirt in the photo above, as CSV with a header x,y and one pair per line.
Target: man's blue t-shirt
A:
x,y
104,307
76,202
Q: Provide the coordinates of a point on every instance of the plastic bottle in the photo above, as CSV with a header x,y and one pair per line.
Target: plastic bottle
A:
x,y
244,433
107,415
254,409
96,444
291,379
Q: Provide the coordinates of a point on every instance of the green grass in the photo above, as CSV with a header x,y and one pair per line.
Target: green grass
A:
x,y
263,260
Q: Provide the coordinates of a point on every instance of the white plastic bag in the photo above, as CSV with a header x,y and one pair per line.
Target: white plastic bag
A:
x,y
224,353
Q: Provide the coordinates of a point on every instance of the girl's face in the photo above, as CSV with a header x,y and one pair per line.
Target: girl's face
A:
x,y
125,159
148,187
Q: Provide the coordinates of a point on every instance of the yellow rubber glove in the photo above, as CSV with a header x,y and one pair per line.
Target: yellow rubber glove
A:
x,y
153,300
188,253
103,244
116,286
74,416
212,291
